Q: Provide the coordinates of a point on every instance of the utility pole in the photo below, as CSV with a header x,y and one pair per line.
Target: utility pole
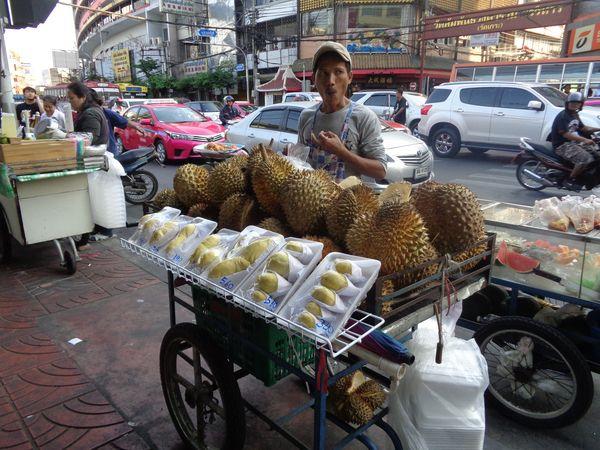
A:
x,y
254,56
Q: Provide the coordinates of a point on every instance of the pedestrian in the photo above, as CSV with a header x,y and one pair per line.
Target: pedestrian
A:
x,y
51,113
399,114
344,137
31,103
90,118
114,119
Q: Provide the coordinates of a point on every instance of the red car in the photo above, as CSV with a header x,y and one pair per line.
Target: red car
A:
x,y
176,130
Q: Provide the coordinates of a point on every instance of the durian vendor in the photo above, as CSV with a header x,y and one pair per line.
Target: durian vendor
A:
x,y
344,137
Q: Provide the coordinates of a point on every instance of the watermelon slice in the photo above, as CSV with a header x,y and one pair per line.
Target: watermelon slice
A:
x,y
521,263
501,254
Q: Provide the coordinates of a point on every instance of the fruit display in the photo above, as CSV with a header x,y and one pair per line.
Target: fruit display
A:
x,y
212,250
182,246
331,293
282,273
150,223
269,174
239,211
560,214
227,178
191,185
355,399
351,203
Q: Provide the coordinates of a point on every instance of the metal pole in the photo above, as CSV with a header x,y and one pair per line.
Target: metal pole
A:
x,y
100,53
254,58
247,77
6,87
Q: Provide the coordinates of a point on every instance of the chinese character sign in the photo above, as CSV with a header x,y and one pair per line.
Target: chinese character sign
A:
x,y
176,6
121,65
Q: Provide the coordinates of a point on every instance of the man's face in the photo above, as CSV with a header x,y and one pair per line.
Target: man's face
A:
x,y
574,106
230,103
398,95
29,94
332,78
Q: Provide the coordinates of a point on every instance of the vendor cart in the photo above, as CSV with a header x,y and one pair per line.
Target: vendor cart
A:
x,y
201,363
46,207
552,385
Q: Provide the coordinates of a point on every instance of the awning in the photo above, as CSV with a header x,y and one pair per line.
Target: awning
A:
x,y
284,81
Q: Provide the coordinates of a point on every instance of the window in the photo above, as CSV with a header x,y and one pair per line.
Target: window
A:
x,y
144,114
379,16
551,73
526,73
596,72
515,98
317,23
505,73
269,119
575,73
357,97
553,95
177,114
131,114
464,74
484,96
438,96
483,74
291,124
377,100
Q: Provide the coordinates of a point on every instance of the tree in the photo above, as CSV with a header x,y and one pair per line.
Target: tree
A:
x,y
158,83
148,67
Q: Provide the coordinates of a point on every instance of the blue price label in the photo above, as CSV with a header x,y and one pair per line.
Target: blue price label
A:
x,y
325,327
270,304
226,283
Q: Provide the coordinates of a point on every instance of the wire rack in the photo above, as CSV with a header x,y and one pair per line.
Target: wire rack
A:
x,y
348,337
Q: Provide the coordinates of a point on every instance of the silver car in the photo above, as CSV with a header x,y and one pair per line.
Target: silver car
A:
x,y
408,158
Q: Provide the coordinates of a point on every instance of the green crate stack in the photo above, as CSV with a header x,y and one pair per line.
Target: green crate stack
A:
x,y
254,329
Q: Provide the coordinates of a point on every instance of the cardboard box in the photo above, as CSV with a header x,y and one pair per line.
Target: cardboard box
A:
x,y
38,152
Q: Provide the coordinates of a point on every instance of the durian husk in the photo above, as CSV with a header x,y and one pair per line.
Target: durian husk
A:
x,y
268,177
275,225
204,210
191,184
452,215
305,198
166,197
328,245
239,211
396,236
351,203
227,178
257,154
398,191
353,404
372,393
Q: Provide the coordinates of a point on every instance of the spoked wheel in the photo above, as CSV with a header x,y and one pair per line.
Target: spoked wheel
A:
x,y
202,395
526,180
537,376
140,187
5,240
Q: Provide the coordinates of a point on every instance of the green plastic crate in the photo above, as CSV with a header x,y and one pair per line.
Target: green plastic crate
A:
x,y
256,330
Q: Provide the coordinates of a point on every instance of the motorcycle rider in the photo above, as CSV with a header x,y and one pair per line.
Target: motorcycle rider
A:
x,y
570,137
230,111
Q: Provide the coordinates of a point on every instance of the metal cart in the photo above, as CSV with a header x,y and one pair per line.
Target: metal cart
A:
x,y
201,363
46,207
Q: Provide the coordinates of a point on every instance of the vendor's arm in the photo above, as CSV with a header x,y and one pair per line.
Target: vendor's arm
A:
x,y
589,130
91,122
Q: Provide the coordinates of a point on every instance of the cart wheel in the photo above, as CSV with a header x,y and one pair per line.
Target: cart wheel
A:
x,y
205,404
5,240
70,264
548,387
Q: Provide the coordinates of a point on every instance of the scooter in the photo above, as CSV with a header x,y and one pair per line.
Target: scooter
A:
x,y
539,168
139,185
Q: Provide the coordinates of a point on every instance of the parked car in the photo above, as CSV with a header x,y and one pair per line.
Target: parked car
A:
x,y
383,102
408,157
246,107
129,102
301,97
175,131
491,115
210,109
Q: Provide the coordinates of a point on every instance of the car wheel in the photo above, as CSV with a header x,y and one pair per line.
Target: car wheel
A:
x,y
478,151
161,152
119,145
445,142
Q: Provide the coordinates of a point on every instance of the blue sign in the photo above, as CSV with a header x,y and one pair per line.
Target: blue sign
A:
x,y
239,67
204,32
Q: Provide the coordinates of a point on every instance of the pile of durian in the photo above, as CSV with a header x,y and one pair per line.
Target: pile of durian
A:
x,y
400,228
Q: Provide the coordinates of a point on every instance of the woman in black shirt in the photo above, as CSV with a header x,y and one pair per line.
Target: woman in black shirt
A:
x,y
90,117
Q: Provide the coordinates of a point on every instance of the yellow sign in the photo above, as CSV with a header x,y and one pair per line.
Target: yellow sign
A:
x,y
121,65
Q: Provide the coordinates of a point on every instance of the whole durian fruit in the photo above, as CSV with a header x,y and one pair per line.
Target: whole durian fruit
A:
x,y
352,202
372,393
238,211
275,225
191,184
167,197
227,178
328,245
306,198
268,177
258,153
396,236
452,215
354,400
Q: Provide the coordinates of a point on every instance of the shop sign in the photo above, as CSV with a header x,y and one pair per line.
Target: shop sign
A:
x,y
520,17
194,67
121,65
380,80
376,42
585,39
484,40
176,6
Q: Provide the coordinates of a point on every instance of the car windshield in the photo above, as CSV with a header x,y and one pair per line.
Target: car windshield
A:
x,y
209,107
176,114
553,95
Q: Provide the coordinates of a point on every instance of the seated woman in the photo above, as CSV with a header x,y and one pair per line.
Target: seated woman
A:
x,y
52,117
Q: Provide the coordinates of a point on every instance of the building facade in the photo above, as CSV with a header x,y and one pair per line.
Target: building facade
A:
x,y
20,72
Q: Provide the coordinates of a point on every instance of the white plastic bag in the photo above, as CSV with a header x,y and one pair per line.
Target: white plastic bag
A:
x,y
107,196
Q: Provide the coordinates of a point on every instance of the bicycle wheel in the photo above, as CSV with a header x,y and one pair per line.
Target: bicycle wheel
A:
x,y
201,393
549,386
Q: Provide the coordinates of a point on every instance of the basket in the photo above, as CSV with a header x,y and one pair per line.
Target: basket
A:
x,y
256,330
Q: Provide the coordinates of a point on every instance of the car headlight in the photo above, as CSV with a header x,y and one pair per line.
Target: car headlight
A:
x,y
179,137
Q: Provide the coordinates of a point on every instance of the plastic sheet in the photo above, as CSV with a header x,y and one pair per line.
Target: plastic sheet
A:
x,y
107,196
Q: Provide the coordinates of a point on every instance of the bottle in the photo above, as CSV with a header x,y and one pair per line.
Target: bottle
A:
x,y
68,118
9,125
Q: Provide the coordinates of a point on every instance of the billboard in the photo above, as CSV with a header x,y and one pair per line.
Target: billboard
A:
x,y
520,17
195,66
65,59
585,39
121,65
177,6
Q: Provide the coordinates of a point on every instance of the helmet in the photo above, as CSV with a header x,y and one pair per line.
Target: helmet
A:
x,y
575,97
228,98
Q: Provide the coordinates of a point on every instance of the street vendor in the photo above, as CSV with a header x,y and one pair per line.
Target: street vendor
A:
x,y
344,137
51,114
90,118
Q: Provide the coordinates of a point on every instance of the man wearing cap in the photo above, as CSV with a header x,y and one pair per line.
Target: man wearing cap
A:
x,y
344,137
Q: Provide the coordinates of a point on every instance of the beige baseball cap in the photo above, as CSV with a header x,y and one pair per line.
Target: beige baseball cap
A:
x,y
335,47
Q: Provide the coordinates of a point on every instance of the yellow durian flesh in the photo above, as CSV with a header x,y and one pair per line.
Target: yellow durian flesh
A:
x,y
175,243
314,309
334,280
259,296
211,241
324,295
188,230
279,263
162,232
208,258
267,282
344,267
295,247
228,267
255,250
307,320
150,223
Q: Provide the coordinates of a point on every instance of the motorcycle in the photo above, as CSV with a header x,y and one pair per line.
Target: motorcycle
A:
x,y
139,185
539,167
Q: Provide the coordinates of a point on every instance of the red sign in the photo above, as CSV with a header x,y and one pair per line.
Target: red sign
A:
x,y
520,17
585,39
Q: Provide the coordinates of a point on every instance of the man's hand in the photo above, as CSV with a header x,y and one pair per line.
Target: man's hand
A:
x,y
142,131
588,142
331,143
